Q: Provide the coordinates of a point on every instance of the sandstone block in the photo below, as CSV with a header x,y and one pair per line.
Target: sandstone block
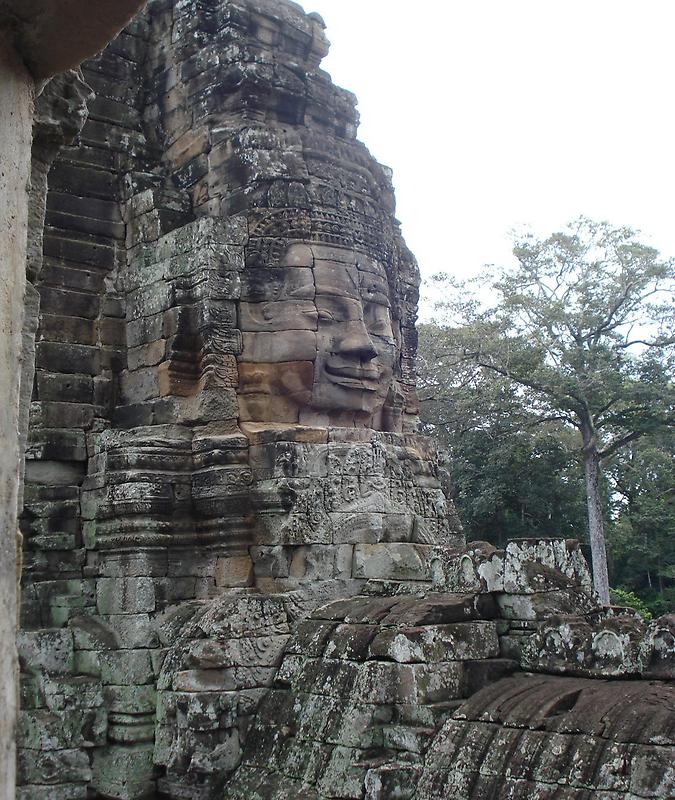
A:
x,y
263,433
126,667
78,691
438,683
92,633
213,680
146,355
149,300
209,405
278,316
49,650
130,699
134,565
392,780
257,407
72,791
125,771
382,682
539,605
88,662
321,562
68,358
533,565
342,771
440,609
291,379
139,385
43,730
659,660
259,651
480,568
297,345
51,386
113,332
613,646
393,561
234,572
125,595
271,562
53,767
437,643
145,330
363,528
261,285
59,328
310,638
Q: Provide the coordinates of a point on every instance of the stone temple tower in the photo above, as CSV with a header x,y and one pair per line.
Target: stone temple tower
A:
x,y
243,577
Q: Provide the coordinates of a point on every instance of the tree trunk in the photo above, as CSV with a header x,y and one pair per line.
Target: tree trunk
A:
x,y
596,529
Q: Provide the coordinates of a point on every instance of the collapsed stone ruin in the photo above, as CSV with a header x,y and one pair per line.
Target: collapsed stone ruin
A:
x,y
242,576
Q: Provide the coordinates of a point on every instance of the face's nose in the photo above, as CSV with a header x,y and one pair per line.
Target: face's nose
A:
x,y
356,344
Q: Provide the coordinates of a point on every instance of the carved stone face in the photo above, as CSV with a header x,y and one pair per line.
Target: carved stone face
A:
x,y
322,341
355,340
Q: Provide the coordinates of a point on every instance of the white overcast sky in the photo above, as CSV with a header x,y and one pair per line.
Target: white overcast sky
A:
x,y
495,114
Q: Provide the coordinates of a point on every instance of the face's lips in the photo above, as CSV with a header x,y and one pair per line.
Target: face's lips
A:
x,y
361,377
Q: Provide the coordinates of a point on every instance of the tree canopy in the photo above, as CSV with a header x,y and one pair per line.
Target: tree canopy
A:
x,y
580,333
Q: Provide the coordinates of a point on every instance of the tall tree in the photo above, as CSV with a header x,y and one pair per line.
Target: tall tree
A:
x,y
584,323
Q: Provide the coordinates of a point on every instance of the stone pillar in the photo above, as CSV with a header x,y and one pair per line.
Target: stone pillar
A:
x,y
37,40
16,120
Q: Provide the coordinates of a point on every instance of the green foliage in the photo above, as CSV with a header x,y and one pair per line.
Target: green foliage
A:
x,y
621,597
641,538
511,475
570,363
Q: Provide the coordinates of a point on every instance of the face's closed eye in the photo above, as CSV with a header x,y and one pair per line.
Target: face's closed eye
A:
x,y
338,309
325,315
378,321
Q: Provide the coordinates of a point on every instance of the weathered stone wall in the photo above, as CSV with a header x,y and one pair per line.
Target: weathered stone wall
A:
x,y
398,695
69,705
363,686
80,334
149,339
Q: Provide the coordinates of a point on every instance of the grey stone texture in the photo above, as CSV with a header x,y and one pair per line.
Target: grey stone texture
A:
x,y
242,575
544,736
16,98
